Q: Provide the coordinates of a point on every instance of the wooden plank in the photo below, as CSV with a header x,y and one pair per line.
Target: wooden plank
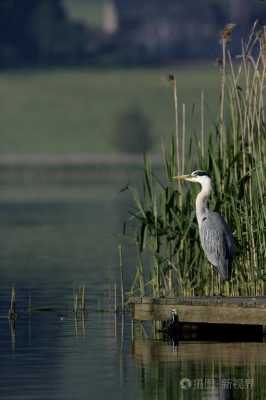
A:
x,y
251,311
198,300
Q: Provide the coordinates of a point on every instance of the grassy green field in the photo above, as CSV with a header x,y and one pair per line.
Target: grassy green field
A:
x,y
75,110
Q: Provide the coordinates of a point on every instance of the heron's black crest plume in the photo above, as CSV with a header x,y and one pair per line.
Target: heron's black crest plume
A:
x,y
200,173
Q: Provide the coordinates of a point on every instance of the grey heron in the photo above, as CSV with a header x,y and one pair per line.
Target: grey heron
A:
x,y
215,235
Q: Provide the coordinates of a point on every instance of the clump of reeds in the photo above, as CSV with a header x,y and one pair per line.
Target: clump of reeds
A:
x,y
235,156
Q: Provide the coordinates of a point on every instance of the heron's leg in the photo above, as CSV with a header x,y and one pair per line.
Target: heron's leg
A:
x,y
216,283
226,287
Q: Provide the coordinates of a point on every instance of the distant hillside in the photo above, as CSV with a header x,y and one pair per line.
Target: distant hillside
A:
x,y
44,32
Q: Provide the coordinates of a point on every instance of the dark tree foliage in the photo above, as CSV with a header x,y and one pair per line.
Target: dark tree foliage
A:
x,y
133,132
18,44
40,32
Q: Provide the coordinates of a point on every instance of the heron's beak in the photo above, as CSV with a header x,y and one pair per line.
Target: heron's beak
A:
x,y
182,177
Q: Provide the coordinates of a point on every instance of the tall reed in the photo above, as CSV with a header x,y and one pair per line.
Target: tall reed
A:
x,y
235,155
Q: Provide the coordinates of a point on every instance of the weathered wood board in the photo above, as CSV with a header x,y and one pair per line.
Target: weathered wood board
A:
x,y
216,310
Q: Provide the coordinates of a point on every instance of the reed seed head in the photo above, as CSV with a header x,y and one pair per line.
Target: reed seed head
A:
x,y
227,33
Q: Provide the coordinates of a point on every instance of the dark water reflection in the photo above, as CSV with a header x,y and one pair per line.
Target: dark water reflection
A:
x,y
56,238
201,370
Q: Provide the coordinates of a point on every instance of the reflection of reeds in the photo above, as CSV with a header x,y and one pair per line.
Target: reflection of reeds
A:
x,y
12,314
79,300
75,303
12,326
29,304
82,292
166,228
210,368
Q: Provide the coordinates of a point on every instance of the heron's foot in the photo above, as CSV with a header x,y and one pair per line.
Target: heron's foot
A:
x,y
218,292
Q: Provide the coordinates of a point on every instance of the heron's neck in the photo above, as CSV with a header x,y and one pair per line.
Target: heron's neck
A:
x,y
201,201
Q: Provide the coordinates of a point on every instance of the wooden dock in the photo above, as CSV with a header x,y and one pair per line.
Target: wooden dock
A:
x,y
202,310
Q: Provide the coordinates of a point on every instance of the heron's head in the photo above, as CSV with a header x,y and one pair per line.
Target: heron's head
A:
x,y
198,176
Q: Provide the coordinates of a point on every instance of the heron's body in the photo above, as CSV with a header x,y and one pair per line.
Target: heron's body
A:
x,y
215,235
217,243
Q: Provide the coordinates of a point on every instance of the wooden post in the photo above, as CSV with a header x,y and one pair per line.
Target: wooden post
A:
x,y
82,299
121,277
75,303
12,314
115,298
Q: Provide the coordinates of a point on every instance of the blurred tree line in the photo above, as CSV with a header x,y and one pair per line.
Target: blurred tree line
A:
x,y
36,32
41,32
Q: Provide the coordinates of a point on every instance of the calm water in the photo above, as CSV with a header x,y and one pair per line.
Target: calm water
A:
x,y
56,236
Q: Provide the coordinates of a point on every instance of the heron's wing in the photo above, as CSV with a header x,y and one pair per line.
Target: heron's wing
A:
x,y
217,242
230,241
